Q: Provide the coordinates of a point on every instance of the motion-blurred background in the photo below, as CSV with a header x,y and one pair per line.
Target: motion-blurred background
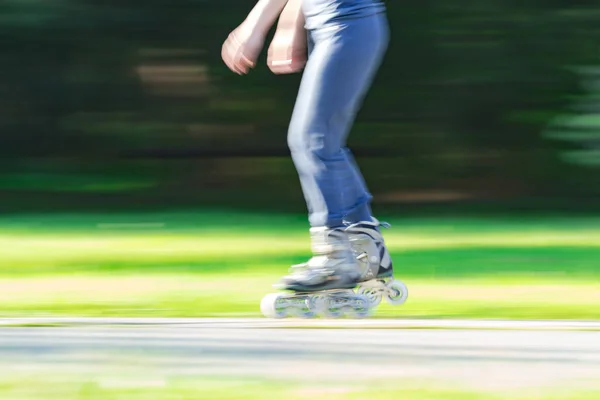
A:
x,y
139,176
127,104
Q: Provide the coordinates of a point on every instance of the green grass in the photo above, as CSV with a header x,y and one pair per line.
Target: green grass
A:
x,y
197,295
73,387
206,264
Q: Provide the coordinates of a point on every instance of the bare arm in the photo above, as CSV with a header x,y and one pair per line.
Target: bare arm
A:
x,y
292,17
287,53
264,14
241,49
243,45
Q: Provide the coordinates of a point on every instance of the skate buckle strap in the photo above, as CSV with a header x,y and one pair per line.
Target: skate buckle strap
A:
x,y
315,269
322,249
325,242
374,224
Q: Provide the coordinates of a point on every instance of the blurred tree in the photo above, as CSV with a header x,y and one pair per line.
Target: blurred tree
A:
x,y
131,97
582,125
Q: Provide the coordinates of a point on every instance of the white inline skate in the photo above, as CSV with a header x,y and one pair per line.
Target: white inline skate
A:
x,y
348,275
377,272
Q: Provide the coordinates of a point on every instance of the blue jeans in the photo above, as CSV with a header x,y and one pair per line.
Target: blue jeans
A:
x,y
343,59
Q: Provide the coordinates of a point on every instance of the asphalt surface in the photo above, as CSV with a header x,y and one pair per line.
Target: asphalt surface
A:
x,y
471,353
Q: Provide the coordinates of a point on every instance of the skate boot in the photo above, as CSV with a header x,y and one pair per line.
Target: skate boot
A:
x,y
323,285
377,272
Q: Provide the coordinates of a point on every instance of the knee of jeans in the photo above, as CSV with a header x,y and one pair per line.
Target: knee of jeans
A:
x,y
313,144
324,148
296,141
326,152
318,149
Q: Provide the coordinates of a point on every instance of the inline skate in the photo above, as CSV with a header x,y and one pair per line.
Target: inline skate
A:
x,y
349,274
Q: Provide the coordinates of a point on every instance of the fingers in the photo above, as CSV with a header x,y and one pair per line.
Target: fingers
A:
x,y
244,63
285,59
299,59
281,67
279,58
285,55
228,55
233,55
286,66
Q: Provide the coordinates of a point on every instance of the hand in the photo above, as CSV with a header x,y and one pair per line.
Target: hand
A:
x,y
288,52
241,49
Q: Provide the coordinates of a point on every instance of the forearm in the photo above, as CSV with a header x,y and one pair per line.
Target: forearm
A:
x,y
264,14
292,17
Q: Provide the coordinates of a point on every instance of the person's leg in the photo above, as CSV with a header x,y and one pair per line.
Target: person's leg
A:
x,y
339,71
362,210
342,62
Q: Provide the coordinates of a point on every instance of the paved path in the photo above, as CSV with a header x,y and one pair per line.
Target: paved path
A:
x,y
253,323
538,354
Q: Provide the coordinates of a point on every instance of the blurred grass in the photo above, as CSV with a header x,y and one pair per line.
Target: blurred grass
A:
x,y
215,263
198,295
93,388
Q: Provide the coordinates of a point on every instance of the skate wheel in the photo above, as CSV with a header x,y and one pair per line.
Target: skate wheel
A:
x,y
316,304
308,311
271,306
332,309
324,306
364,307
372,294
397,293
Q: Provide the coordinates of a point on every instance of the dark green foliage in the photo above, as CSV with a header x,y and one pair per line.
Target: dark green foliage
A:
x,y
131,97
